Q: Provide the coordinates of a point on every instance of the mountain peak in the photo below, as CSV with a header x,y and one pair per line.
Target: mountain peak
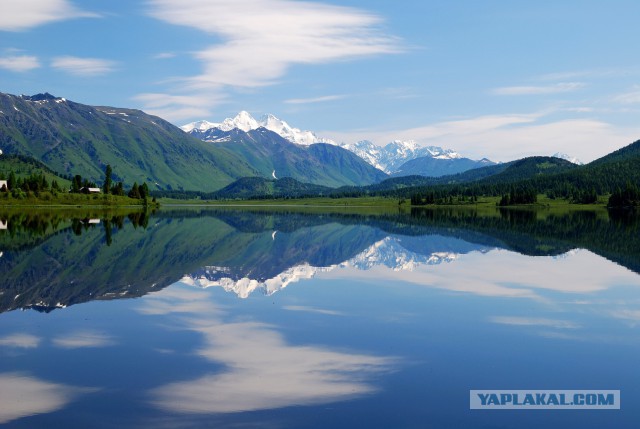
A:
x,y
571,159
245,122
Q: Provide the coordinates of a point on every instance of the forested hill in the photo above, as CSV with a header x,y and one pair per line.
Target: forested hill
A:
x,y
73,138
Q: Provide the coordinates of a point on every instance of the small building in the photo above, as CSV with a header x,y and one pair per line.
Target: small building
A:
x,y
4,185
91,221
85,190
3,224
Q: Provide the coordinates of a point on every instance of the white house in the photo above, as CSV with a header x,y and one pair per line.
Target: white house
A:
x,y
90,190
3,224
3,183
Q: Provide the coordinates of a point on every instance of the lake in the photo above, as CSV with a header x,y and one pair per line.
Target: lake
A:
x,y
316,318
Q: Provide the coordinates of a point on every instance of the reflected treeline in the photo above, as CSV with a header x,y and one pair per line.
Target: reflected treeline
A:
x,y
51,260
613,235
21,230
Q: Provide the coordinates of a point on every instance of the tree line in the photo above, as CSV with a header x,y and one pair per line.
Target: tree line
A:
x,y
37,183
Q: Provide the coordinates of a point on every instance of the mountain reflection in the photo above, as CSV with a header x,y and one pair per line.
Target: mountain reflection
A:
x,y
53,260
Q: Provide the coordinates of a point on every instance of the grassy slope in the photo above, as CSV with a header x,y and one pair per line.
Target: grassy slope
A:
x,y
25,167
72,138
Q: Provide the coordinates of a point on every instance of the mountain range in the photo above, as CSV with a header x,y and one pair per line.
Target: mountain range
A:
x,y
70,138
73,138
428,161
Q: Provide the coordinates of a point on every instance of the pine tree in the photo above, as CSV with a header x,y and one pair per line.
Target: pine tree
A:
x,y
135,191
106,187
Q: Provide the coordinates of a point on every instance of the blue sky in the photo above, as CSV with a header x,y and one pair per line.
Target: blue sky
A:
x,y
501,79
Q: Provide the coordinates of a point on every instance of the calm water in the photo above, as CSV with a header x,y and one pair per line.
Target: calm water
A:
x,y
226,319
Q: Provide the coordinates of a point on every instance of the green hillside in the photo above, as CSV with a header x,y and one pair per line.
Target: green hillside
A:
x,y
73,138
259,187
24,166
320,164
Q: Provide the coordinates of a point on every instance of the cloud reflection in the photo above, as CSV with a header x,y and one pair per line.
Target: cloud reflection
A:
x,y
83,339
262,371
23,396
23,341
532,321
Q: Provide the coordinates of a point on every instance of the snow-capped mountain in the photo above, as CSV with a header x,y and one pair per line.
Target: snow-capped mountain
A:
x,y
387,252
388,158
569,158
245,122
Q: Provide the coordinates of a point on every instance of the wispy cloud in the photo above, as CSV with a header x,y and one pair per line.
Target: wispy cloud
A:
x,y
288,375
19,63
26,14
539,90
23,396
83,339
179,107
261,369
315,99
262,39
533,321
308,309
630,97
85,67
164,56
510,136
23,341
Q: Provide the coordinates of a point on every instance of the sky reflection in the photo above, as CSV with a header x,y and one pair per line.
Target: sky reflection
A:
x,y
261,369
22,395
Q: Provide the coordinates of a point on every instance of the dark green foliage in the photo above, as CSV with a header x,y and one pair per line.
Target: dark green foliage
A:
x,y
106,186
118,189
629,197
518,196
259,188
134,192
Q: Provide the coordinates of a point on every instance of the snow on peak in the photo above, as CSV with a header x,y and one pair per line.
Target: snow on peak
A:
x,y
198,125
388,158
245,122
566,157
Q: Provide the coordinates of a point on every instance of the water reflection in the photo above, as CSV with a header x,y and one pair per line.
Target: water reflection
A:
x,y
23,395
50,261
261,369
402,315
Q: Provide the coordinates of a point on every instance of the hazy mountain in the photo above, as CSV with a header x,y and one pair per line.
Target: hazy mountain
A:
x,y
435,167
571,159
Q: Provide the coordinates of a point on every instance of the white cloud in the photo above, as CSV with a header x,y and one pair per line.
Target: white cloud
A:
x,y
509,137
24,396
23,341
83,339
85,67
262,39
261,370
19,63
315,99
264,372
26,14
179,107
579,273
539,90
